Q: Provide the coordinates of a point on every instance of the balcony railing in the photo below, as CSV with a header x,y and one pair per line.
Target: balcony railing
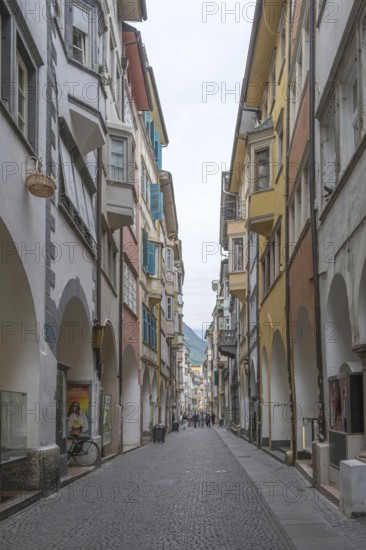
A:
x,y
228,337
227,343
234,211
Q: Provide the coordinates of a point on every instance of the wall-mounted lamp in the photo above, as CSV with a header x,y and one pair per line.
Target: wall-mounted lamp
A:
x,y
38,183
124,63
98,336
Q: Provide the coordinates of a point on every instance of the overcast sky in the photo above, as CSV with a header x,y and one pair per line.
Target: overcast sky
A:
x,y
198,53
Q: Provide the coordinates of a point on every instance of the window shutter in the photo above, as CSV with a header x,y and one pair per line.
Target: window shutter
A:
x,y
156,201
144,249
216,377
152,132
144,326
159,157
151,259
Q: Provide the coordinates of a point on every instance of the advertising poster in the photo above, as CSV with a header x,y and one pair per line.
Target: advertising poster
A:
x,y
78,406
107,419
337,395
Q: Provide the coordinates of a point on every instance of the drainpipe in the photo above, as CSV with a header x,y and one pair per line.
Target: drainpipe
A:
x,y
247,305
98,359
313,221
120,330
159,353
287,306
257,342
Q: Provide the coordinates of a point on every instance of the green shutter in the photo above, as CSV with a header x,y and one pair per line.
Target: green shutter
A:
x,y
156,201
145,242
151,258
216,378
152,132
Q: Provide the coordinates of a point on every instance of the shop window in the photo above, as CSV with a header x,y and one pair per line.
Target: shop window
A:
x,y
13,426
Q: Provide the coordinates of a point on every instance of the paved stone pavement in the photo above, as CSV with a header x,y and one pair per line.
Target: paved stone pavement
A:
x,y
193,492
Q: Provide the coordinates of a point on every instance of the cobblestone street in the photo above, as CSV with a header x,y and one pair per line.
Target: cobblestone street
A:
x,y
192,492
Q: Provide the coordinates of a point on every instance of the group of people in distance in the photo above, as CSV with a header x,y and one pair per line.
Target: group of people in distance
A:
x,y
197,420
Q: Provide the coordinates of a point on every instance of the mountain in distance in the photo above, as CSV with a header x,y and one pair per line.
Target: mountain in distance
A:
x,y
196,346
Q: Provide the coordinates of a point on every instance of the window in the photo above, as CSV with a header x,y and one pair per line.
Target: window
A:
x,y
279,141
169,308
272,80
80,35
145,184
237,254
328,140
76,189
299,205
262,169
109,256
226,290
348,108
118,160
265,104
22,95
129,288
169,259
282,35
272,260
112,58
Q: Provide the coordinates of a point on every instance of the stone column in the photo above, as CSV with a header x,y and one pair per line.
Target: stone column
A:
x,y
360,350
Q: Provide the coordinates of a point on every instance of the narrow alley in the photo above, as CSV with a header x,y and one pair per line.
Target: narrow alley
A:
x,y
201,489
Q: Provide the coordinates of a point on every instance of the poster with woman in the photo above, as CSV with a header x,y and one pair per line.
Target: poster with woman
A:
x,y
338,405
78,407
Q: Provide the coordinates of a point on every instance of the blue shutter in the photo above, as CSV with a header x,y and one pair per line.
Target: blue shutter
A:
x,y
144,249
151,259
154,342
156,145
216,377
159,158
144,326
148,320
146,117
156,201
152,132
158,150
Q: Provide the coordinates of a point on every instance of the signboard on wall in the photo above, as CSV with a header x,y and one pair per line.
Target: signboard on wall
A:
x,y
78,408
107,419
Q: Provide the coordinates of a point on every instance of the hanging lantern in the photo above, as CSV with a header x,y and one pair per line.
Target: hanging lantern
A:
x,y
38,183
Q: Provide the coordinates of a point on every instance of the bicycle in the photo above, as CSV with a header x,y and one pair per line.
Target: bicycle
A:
x,y
84,451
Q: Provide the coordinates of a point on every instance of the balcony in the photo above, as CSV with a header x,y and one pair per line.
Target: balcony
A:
x,y
132,10
120,204
227,343
261,213
234,211
238,285
154,289
169,329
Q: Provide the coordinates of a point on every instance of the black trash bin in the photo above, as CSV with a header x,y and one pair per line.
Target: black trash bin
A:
x,y
159,433
175,426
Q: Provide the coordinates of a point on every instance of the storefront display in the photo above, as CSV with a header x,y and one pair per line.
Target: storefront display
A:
x,y
13,426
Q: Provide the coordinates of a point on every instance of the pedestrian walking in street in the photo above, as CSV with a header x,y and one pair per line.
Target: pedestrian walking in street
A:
x,y
208,420
213,416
